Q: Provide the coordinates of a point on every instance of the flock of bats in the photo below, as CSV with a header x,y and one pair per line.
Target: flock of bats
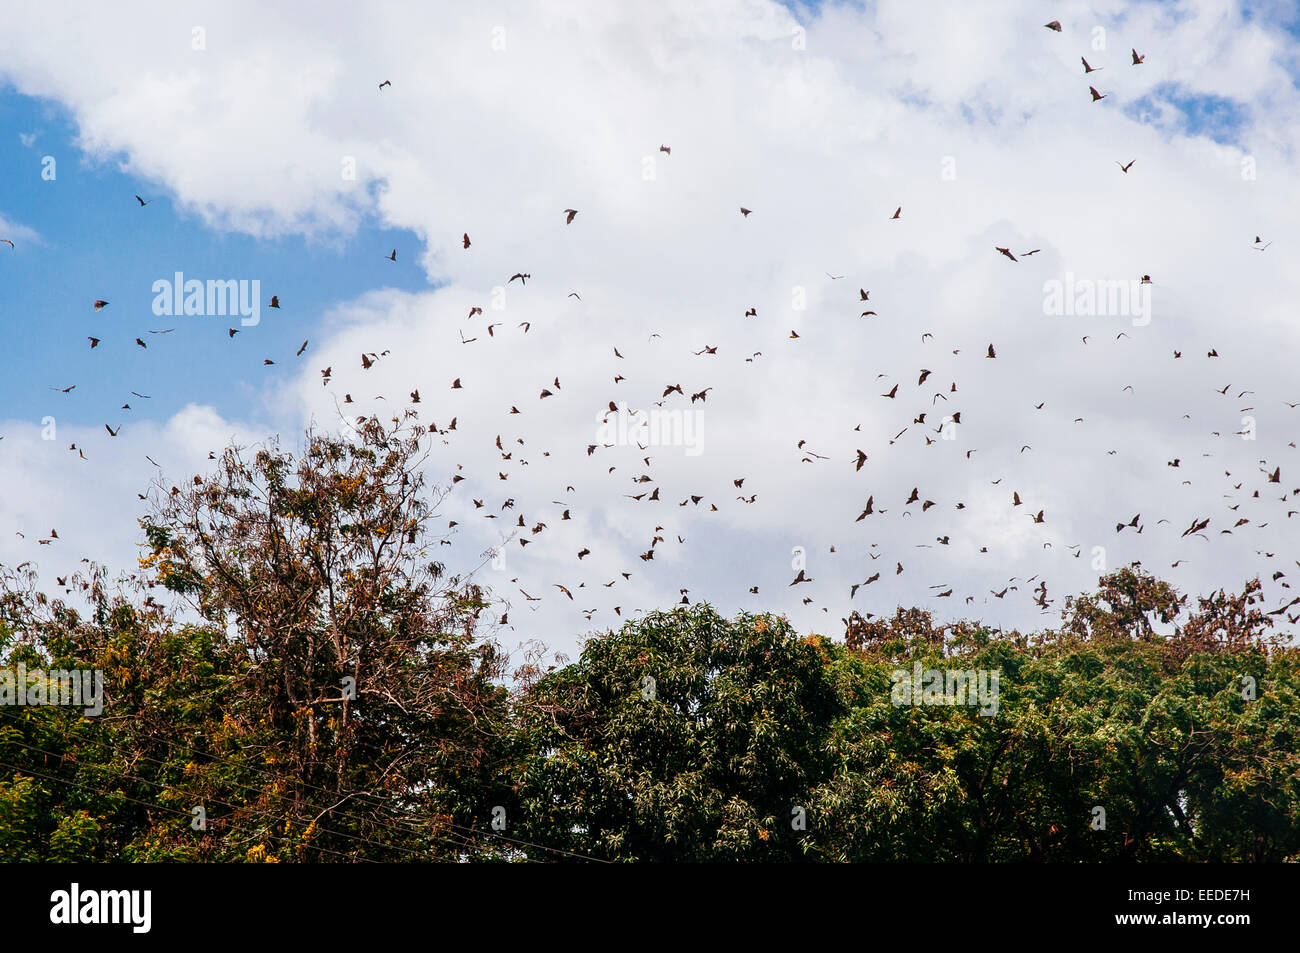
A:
x,y
1266,486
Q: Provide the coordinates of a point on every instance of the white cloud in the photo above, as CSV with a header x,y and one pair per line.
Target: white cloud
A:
x,y
93,502
17,233
823,144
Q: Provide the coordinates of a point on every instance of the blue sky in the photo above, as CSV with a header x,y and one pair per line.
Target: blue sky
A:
x,y
1215,117
97,242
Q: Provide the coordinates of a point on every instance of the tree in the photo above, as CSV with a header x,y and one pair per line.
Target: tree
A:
x,y
684,736
320,692
1104,722
329,698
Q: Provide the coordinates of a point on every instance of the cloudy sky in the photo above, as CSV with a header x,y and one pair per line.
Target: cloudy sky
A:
x,y
267,151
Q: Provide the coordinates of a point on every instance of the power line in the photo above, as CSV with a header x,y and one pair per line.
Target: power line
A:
x,y
460,843
159,807
365,794
234,807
